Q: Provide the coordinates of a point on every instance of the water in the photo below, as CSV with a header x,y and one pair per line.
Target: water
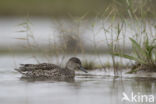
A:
x,y
47,29
96,87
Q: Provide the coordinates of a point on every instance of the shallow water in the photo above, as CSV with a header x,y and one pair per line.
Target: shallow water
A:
x,y
96,87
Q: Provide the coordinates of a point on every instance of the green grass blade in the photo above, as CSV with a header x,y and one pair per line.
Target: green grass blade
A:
x,y
129,57
138,48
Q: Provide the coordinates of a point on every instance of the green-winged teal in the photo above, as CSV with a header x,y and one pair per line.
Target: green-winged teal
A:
x,y
51,71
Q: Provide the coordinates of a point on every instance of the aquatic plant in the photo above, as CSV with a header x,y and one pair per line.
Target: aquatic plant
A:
x,y
91,65
143,54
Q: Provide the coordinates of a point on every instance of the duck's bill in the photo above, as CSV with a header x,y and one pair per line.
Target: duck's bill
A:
x,y
84,70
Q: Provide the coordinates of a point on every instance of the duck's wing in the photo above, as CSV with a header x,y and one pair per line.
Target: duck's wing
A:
x,y
34,67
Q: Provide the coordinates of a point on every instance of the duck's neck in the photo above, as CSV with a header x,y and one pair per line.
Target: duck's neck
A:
x,y
70,71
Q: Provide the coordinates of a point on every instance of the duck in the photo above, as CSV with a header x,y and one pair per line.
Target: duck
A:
x,y
51,71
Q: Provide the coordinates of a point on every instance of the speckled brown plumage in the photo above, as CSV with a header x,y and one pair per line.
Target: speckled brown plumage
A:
x,y
50,71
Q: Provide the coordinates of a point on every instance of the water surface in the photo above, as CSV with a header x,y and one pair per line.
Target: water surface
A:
x,y
96,87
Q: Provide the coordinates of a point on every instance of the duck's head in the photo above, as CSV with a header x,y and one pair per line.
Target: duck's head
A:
x,y
75,64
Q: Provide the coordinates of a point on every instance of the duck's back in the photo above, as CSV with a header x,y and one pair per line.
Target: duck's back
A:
x,y
44,70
